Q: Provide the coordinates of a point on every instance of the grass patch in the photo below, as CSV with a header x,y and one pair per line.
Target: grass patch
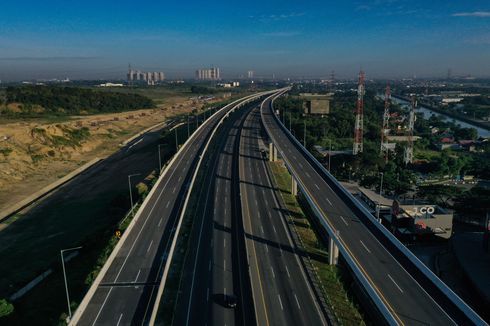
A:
x,y
333,278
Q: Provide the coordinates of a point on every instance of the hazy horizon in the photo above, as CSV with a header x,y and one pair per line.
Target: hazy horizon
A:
x,y
387,38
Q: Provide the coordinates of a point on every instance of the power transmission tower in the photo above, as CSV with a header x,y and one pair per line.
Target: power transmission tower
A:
x,y
408,157
386,118
358,127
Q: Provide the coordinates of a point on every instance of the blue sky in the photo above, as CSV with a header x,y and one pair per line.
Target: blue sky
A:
x,y
388,38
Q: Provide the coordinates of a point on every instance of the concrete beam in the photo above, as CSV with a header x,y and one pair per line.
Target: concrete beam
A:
x,y
294,186
333,252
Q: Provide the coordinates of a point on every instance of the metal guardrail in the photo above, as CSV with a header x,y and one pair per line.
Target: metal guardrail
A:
x,y
81,308
441,286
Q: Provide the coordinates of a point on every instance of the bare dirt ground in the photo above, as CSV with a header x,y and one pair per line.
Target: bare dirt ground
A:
x,y
35,153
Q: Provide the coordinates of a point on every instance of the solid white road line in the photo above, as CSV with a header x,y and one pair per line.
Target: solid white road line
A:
x,y
317,186
273,274
399,288
119,320
102,307
367,249
160,222
329,201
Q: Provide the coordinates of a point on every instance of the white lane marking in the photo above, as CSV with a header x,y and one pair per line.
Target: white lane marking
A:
x,y
224,291
317,186
102,307
225,211
300,165
399,288
224,243
267,248
224,264
273,274
329,201
256,203
149,246
119,320
160,223
137,275
139,141
269,213
287,271
207,294
262,229
274,229
343,220
297,301
173,190
307,174
180,178
280,301
168,203
367,249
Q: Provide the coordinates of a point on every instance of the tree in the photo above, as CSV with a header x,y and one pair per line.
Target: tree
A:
x,y
439,194
6,308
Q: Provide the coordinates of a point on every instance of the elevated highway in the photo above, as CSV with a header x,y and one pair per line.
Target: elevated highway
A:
x,y
403,289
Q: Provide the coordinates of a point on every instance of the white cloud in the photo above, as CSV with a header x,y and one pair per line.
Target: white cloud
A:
x,y
472,14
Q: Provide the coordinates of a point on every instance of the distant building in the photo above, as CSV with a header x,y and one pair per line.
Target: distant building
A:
x,y
208,74
316,103
149,77
250,74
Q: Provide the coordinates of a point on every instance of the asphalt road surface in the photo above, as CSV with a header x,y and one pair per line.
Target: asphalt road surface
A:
x,y
282,294
405,298
211,266
127,292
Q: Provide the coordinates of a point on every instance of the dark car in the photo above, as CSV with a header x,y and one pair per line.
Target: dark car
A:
x,y
230,300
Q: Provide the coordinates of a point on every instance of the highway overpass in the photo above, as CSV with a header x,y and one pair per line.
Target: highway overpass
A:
x,y
404,290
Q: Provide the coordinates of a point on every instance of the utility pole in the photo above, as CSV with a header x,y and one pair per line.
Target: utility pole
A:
x,y
358,127
159,158
176,141
66,281
329,155
304,135
381,184
131,192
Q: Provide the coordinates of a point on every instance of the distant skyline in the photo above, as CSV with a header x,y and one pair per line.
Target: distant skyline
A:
x,y
387,38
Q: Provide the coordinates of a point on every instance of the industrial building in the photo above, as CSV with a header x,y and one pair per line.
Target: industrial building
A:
x,y
212,73
316,103
408,222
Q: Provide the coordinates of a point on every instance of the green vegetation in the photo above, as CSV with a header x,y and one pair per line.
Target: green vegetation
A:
x,y
54,100
334,279
5,151
6,308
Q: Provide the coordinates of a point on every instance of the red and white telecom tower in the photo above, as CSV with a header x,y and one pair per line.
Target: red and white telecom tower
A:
x,y
384,150
408,155
358,127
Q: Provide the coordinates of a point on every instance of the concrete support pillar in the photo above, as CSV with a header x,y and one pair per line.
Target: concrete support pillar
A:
x,y
333,252
294,186
271,152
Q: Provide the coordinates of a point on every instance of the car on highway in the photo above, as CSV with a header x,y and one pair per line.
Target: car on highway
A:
x,y
230,301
